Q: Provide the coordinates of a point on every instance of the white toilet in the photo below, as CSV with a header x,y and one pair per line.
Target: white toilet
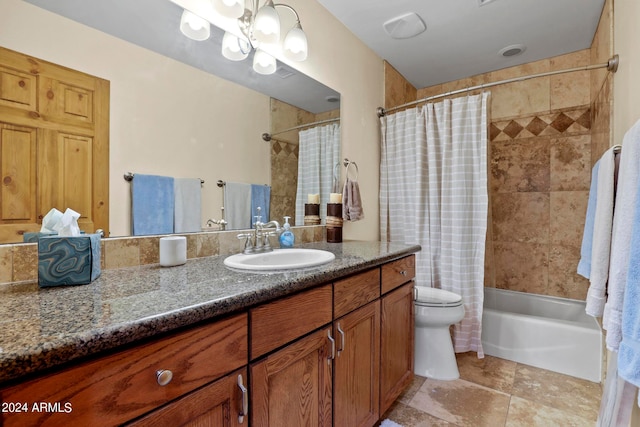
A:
x,y
435,311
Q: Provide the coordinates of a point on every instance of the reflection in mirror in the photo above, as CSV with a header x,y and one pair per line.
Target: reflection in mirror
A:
x,y
291,127
303,97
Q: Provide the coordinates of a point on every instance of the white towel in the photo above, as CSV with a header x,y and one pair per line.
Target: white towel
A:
x,y
601,244
237,205
621,239
187,214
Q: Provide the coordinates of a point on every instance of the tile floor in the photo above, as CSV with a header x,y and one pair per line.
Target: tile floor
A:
x,y
495,392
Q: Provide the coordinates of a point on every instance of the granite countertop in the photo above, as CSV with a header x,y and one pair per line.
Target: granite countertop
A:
x,y
46,327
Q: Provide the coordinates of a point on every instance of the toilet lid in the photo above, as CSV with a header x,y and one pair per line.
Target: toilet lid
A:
x,y
436,297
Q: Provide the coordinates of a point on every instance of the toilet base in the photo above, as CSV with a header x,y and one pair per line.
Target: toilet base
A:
x,y
434,355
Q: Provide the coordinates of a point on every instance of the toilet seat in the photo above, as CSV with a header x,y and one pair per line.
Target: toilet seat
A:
x,y
433,297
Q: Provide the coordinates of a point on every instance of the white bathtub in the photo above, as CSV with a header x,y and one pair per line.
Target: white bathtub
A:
x,y
542,331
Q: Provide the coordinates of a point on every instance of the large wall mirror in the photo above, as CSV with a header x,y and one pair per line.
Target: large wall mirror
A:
x,y
177,107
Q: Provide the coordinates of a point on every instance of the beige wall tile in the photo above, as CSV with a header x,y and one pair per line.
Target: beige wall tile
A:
x,y
120,253
520,166
570,90
568,210
520,98
6,264
521,217
563,279
522,267
25,262
570,163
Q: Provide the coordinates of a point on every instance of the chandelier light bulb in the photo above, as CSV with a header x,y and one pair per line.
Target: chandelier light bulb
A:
x,y
266,27
263,63
234,48
295,44
194,27
229,8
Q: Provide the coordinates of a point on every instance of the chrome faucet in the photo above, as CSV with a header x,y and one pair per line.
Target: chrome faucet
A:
x,y
221,222
258,240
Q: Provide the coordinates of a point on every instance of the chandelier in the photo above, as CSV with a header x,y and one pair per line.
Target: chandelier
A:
x,y
258,27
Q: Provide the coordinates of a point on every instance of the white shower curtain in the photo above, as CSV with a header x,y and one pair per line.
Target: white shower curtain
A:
x,y
319,153
433,192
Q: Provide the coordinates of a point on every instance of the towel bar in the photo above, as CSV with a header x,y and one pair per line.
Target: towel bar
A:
x,y
129,177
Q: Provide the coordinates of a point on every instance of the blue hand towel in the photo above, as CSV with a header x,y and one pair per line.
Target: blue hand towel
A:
x,y
584,266
152,200
629,350
260,197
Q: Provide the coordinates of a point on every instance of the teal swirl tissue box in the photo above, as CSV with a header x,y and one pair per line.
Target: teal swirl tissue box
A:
x,y
68,260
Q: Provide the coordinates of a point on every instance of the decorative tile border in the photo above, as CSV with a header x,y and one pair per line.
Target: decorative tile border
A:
x,y
559,123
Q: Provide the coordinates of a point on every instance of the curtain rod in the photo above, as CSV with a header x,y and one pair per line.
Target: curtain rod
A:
x,y
267,136
610,65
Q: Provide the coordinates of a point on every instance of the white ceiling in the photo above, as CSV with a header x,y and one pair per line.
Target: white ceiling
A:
x,y
463,39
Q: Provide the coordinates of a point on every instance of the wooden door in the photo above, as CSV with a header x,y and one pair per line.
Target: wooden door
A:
x,y
396,344
357,367
292,387
54,145
219,404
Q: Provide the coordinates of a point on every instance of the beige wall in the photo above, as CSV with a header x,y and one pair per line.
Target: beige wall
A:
x,y
626,84
160,107
626,92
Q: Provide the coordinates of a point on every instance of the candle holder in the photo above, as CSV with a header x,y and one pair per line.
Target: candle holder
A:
x,y
311,214
334,222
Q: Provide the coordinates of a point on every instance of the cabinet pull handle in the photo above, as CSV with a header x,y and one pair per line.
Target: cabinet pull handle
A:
x,y
333,347
403,272
164,376
341,332
245,400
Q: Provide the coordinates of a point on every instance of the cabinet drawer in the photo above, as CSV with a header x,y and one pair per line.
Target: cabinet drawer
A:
x,y
276,323
355,291
116,388
398,272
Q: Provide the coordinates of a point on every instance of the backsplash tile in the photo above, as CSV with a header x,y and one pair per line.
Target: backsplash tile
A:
x,y
19,262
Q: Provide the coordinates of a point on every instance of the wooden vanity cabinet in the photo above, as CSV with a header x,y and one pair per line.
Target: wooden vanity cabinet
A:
x,y
292,386
397,330
117,388
219,404
357,362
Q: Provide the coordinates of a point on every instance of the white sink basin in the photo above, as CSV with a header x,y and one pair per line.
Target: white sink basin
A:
x,y
280,259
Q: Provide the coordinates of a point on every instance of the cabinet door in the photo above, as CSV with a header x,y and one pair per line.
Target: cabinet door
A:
x,y
219,404
396,344
292,387
357,367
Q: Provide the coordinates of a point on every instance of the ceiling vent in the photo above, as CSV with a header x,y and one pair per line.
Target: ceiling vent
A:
x,y
405,26
512,50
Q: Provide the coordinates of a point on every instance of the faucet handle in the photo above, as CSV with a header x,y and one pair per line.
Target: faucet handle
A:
x,y
248,247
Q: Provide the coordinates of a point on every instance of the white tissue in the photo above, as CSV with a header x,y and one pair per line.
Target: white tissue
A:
x,y
51,220
68,224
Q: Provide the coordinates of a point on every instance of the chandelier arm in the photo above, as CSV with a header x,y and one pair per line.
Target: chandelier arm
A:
x,y
291,9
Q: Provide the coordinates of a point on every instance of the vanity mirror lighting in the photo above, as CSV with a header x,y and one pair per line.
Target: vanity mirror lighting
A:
x,y
176,108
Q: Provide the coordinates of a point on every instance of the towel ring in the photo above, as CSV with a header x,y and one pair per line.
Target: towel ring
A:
x,y
347,172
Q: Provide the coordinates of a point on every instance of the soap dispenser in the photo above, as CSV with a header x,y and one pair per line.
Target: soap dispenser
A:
x,y
286,237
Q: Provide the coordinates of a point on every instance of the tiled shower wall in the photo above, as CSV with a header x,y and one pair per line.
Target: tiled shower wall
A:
x,y
544,136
